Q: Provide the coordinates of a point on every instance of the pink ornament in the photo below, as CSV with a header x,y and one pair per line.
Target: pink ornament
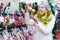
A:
x,y
24,38
15,16
30,38
1,8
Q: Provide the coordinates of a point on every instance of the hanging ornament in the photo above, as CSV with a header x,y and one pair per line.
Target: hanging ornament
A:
x,y
24,38
33,11
7,19
13,24
15,16
1,8
57,35
30,38
21,22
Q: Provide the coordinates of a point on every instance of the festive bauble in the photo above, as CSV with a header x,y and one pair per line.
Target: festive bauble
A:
x,y
13,24
33,11
30,38
24,38
7,19
21,22
15,16
29,8
57,35
1,8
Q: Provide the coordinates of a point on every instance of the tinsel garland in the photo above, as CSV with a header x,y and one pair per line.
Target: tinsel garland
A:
x,y
46,16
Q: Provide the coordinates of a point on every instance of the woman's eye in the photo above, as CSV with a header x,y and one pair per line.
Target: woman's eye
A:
x,y
42,7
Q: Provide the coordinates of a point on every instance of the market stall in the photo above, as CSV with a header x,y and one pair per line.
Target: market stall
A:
x,y
25,20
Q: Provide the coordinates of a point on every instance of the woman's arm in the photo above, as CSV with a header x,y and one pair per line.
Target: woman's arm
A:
x,y
46,29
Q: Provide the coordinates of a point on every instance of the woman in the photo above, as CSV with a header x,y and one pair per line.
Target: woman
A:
x,y
45,21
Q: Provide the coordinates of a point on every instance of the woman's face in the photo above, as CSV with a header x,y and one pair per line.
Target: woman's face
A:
x,y
41,8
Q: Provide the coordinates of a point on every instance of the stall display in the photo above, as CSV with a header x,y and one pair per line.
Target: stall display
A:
x,y
22,23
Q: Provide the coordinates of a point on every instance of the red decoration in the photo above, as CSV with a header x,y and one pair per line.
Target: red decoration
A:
x,y
13,24
22,14
16,22
57,35
4,15
7,19
30,38
21,22
24,38
1,8
15,16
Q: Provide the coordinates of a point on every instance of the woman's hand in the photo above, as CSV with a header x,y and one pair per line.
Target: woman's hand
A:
x,y
34,18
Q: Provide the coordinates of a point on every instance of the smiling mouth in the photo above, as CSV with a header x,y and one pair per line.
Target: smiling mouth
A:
x,y
40,10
